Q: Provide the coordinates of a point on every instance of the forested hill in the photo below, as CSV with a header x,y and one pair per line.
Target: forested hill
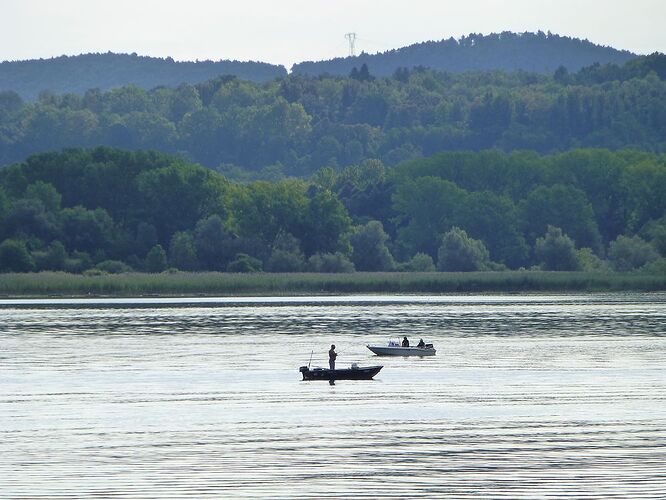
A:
x,y
105,71
534,52
298,124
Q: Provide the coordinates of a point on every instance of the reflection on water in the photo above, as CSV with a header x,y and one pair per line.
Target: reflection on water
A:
x,y
537,396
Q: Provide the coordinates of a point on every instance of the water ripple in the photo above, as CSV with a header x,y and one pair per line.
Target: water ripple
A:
x,y
537,396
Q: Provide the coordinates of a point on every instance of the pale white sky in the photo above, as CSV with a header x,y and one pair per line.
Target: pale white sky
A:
x,y
289,31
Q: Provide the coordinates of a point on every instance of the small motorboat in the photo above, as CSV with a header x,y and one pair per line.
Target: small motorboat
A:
x,y
354,373
395,349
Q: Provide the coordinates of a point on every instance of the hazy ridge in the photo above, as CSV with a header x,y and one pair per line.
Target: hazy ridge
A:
x,y
533,52
77,74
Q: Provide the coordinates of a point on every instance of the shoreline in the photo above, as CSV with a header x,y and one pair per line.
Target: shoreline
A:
x,y
209,284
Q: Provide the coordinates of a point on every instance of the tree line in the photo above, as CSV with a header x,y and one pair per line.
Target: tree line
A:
x,y
533,52
76,74
295,125
110,210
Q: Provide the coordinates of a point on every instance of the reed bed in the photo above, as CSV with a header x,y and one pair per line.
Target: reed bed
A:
x,y
46,284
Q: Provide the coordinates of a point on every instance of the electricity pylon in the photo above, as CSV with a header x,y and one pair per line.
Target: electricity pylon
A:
x,y
352,40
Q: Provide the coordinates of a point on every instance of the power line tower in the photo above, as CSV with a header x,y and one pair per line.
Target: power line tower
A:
x,y
351,37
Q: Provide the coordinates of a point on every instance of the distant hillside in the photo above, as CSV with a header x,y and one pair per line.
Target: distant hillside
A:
x,y
533,52
77,74
298,124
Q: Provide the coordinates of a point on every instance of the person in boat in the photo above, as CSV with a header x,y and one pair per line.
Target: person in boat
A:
x,y
421,343
331,357
405,342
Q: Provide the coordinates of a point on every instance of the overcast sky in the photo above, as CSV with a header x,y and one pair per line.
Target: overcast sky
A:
x,y
289,31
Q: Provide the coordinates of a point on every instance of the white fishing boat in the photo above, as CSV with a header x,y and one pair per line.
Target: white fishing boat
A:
x,y
395,349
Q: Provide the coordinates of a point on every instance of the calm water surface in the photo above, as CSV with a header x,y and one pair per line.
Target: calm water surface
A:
x,y
528,396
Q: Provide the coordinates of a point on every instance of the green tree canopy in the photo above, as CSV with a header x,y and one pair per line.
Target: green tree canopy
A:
x,y
627,254
330,263
369,250
561,206
427,207
156,260
14,257
211,241
556,251
182,254
459,252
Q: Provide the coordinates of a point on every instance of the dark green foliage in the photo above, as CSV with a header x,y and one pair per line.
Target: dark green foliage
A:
x,y
539,52
298,124
326,225
103,71
420,263
146,238
369,250
182,254
76,208
46,193
459,252
556,251
29,217
270,210
362,75
588,261
562,206
627,254
428,207
655,232
78,262
4,205
156,260
494,219
113,267
282,261
212,243
244,263
656,268
14,257
634,68
55,258
330,263
87,230
178,196
286,256
363,189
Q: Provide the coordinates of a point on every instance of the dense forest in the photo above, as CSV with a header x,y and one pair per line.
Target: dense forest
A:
x,y
298,124
532,52
76,74
105,210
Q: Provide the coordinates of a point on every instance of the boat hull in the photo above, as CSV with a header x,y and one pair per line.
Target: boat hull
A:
x,y
402,351
360,373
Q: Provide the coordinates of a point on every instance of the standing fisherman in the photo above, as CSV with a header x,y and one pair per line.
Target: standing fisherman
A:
x,y
331,357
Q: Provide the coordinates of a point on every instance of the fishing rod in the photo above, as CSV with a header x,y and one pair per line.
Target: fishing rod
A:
x,y
310,359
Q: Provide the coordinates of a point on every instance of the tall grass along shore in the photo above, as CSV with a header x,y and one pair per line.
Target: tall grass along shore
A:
x,y
228,284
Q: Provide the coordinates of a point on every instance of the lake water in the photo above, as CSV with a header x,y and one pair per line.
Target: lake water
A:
x,y
528,396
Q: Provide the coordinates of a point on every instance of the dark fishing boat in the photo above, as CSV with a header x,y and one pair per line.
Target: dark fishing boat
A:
x,y
353,373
